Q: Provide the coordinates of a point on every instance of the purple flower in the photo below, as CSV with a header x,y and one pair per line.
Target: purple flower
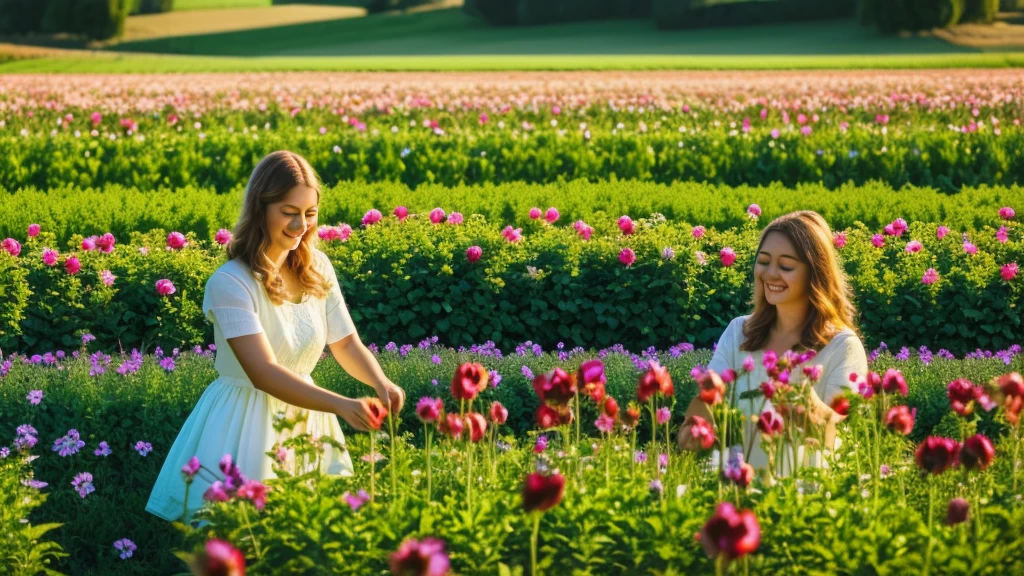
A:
x,y
667,253
33,483
435,359
86,338
167,363
83,484
143,448
68,444
35,397
5,452
640,457
495,378
103,450
355,501
125,547
528,373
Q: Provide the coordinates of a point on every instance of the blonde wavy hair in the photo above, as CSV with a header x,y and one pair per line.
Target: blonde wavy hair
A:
x,y
831,298
273,178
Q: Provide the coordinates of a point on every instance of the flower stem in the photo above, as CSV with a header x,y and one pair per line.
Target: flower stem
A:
x,y
931,518
394,460
533,544
426,432
184,512
248,525
373,466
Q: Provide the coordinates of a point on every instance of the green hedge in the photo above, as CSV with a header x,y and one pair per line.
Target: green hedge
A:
x,y
152,403
534,12
70,210
94,19
406,281
896,15
674,14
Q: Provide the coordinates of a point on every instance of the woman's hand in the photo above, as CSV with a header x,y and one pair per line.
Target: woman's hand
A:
x,y
685,438
354,412
391,395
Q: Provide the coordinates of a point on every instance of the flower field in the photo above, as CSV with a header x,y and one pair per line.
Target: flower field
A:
x,y
544,263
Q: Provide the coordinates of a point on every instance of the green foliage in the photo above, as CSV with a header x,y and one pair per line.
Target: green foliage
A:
x,y
983,11
913,15
26,548
671,14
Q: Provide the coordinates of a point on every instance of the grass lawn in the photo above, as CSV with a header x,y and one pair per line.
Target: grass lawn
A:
x,y
213,4
217,21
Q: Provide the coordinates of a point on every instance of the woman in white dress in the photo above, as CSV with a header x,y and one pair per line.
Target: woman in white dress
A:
x,y
802,301
273,305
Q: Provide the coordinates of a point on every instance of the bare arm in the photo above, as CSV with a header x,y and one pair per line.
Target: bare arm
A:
x,y
257,360
357,360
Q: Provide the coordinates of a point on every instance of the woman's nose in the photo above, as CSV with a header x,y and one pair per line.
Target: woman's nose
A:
x,y
297,225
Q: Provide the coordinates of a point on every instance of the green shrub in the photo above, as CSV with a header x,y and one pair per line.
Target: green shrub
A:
x,y
101,19
26,548
716,13
21,16
983,11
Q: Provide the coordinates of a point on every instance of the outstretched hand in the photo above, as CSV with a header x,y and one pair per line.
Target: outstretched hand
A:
x,y
392,396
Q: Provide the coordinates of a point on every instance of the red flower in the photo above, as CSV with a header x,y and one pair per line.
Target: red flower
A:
x,y
469,380
702,431
632,415
591,376
957,512
552,416
977,452
770,423
711,386
729,532
451,426
741,475
376,412
255,492
1011,384
656,380
499,414
893,381
961,396
477,426
936,455
542,492
555,386
220,558
420,558
841,405
429,409
611,407
900,419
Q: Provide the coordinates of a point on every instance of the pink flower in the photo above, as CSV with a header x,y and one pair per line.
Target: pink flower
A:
x,y
663,415
913,247
107,278
700,257
941,232
977,452
1006,213
626,225
11,246
72,265
190,469
498,413
429,410
698,232
770,423
96,118
89,244
775,133
748,363
437,215
899,226
806,130
627,257
176,240
372,217
223,236
727,256
420,558
165,287
402,213
584,230
1003,235
551,215
754,210
534,213
255,492
605,423
33,230
50,257
839,239
473,253
512,234
483,119
900,419
730,532
106,243
970,248
702,431
878,240
455,218
356,501
930,276
1009,271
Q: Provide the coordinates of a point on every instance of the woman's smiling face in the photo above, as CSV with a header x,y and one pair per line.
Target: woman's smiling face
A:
x,y
778,273
289,220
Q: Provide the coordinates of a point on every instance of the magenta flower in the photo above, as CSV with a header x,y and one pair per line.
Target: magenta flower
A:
x,y
217,492
106,243
936,455
626,225
402,213
176,241
730,532
605,423
512,234
930,276
11,246
429,410
483,119
913,247
89,244
535,213
455,218
143,448
839,239
754,211
698,232
83,484
627,257
1006,213
190,469
775,133
420,558
1003,235
1009,271
356,501
223,236
372,217
727,255
878,240
437,215
165,287
583,229
473,253
899,226
941,232
96,118
663,415
33,230
35,397
253,491
551,215
72,265
970,248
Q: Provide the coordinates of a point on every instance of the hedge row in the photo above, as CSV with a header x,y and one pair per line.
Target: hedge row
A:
x,y
922,154
896,15
70,210
404,281
94,19
674,14
152,402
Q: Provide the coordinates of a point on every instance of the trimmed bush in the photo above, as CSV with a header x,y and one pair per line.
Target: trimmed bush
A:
x,y
715,13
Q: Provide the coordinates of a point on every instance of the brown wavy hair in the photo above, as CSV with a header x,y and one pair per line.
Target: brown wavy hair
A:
x,y
830,295
270,182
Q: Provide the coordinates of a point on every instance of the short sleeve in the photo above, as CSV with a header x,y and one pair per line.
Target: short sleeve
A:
x,y
339,322
725,352
848,358
231,306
